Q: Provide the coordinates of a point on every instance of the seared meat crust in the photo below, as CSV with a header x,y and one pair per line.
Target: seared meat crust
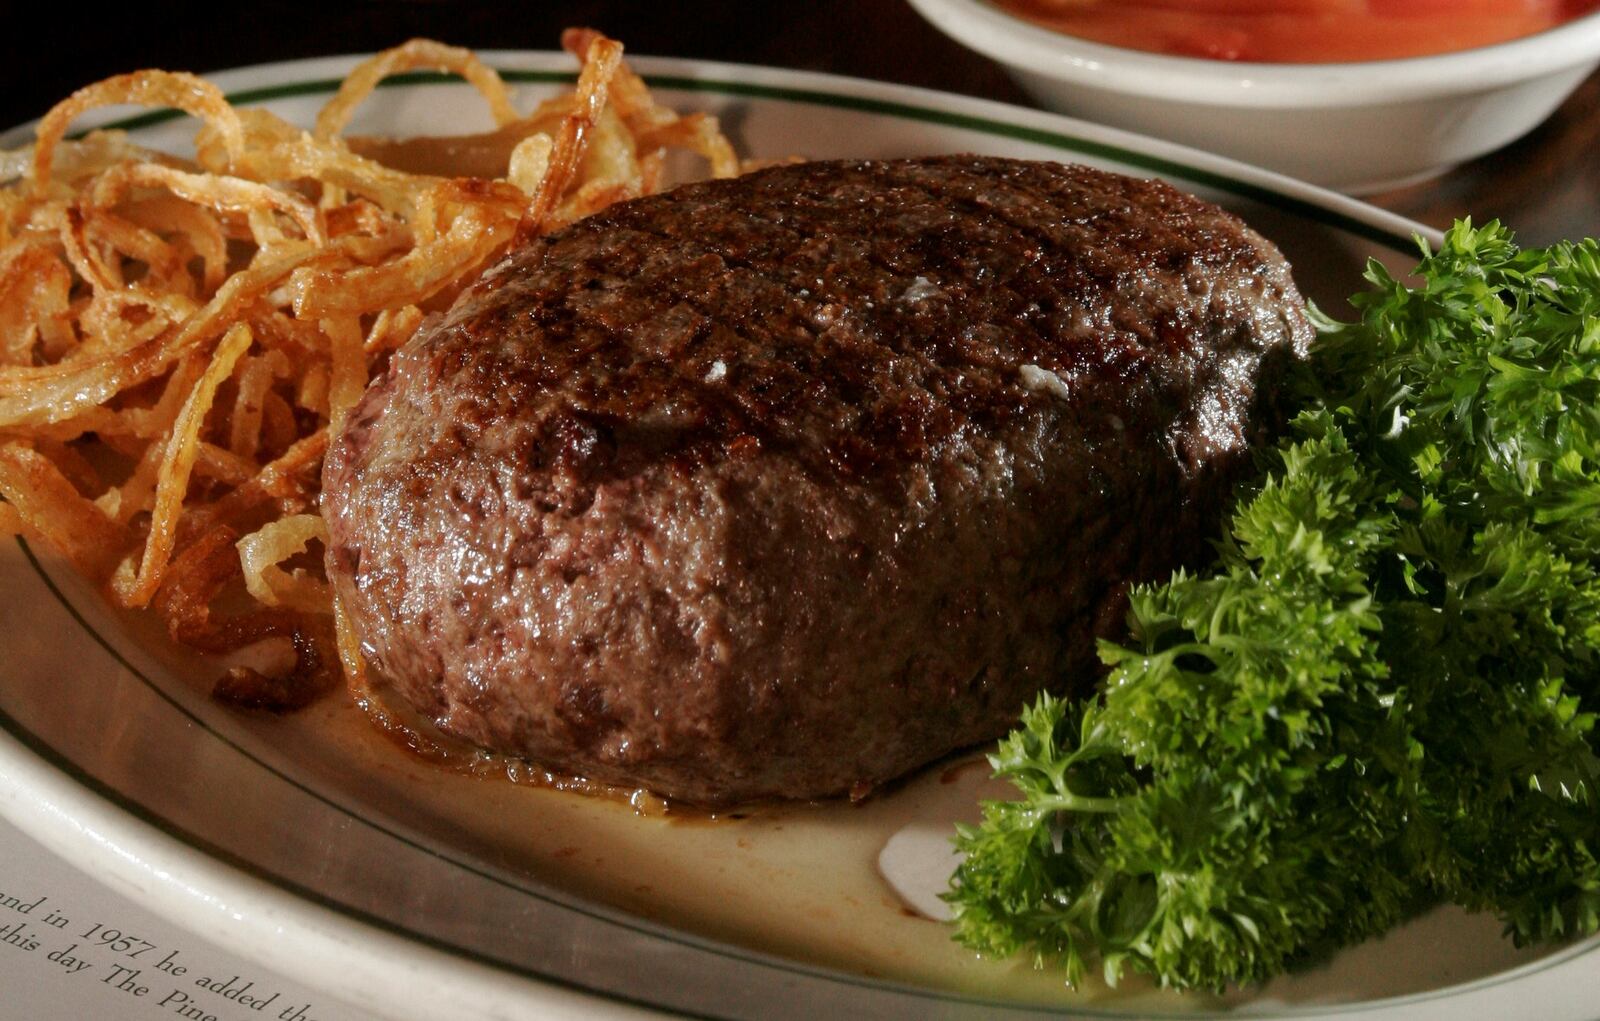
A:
x,y
785,485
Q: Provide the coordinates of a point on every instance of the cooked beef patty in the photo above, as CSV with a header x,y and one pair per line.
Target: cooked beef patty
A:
x,y
783,486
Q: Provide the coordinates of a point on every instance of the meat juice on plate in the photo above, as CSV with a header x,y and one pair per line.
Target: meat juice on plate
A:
x,y
1299,31
802,881
796,880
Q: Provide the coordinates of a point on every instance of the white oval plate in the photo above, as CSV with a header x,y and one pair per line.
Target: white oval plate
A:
x,y
317,848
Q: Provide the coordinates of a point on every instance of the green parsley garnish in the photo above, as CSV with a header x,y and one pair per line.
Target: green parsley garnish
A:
x,y
1382,696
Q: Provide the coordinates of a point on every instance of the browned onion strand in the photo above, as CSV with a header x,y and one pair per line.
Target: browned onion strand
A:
x,y
178,338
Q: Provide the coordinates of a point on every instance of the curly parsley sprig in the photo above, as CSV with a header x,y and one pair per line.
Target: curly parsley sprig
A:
x,y
1384,692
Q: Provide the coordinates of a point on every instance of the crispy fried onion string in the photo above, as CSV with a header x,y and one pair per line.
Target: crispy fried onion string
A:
x,y
180,339
263,550
186,92
359,83
600,62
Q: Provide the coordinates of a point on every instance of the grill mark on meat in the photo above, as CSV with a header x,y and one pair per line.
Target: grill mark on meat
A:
x,y
1130,222
1041,294
963,193
786,204
868,543
936,193
749,404
981,202
874,333
868,334
871,256
793,295
871,336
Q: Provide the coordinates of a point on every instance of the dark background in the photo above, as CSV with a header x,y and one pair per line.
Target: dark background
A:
x,y
1546,186
882,39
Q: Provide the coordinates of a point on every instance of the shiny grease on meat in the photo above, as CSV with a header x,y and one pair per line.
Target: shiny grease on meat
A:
x,y
782,486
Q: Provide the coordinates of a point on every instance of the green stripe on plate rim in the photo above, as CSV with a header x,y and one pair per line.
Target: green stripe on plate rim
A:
x,y
843,101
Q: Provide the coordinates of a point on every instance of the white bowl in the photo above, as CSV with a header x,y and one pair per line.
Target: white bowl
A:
x,y
1355,126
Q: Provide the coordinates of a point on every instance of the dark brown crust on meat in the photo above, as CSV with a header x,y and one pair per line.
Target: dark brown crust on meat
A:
x,y
762,488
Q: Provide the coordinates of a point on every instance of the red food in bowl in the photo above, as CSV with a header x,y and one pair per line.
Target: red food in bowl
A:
x,y
1299,31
